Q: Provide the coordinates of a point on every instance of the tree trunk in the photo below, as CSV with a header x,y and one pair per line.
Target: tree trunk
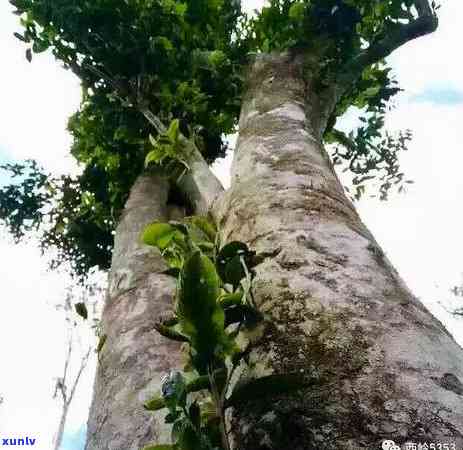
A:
x,y
381,366
134,357
62,423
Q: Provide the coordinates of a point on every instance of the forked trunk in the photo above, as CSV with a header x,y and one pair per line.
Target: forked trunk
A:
x,y
134,357
381,365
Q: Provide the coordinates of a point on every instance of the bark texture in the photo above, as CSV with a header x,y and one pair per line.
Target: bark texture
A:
x,y
381,365
134,357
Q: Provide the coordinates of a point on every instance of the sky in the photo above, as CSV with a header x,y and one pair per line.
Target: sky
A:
x,y
420,231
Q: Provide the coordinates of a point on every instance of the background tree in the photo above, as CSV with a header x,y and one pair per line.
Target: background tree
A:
x,y
66,385
335,310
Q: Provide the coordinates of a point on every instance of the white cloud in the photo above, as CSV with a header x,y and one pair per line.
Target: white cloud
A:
x,y
36,101
421,230
33,342
433,59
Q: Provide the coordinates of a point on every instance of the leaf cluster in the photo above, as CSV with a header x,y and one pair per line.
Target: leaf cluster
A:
x,y
182,61
368,153
213,303
177,57
348,25
169,152
66,213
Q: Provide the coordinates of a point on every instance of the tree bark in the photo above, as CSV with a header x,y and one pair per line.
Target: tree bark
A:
x,y
134,357
62,423
336,311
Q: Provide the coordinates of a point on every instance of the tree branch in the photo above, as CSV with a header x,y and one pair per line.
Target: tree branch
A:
x,y
198,184
83,364
395,37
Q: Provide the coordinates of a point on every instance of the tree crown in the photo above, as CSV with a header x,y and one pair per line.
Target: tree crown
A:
x,y
145,63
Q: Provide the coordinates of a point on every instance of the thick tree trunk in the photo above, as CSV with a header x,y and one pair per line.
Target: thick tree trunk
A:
x,y
134,357
381,365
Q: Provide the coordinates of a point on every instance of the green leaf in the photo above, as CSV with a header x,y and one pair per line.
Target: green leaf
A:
x,y
206,226
101,343
20,37
265,387
174,130
241,314
198,384
170,333
216,58
164,42
235,298
160,235
234,271
154,157
232,249
29,55
154,404
194,412
39,46
296,11
203,382
188,437
180,226
81,309
174,391
200,315
172,416
227,254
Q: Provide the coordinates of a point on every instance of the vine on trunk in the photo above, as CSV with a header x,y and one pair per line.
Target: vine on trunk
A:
x,y
213,303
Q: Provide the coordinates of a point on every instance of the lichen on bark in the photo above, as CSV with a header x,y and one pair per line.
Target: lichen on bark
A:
x,y
134,357
380,365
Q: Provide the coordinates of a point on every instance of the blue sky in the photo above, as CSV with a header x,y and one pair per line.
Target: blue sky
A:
x,y
440,95
4,156
74,440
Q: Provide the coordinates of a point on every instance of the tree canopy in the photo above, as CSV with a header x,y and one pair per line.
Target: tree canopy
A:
x,y
150,66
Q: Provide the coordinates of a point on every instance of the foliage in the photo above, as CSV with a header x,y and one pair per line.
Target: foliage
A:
x,y
21,203
181,61
371,156
177,57
169,152
71,215
213,303
344,28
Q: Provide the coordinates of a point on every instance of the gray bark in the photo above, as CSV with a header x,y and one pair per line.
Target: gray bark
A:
x,y
381,366
336,311
134,357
